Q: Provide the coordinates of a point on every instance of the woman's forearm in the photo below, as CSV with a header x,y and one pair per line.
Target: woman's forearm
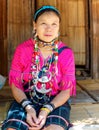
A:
x,y
18,94
61,98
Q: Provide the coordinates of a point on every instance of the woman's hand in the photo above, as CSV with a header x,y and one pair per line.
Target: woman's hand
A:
x,y
31,118
41,120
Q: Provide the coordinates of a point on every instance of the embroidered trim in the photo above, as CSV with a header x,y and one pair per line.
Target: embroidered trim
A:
x,y
67,123
17,121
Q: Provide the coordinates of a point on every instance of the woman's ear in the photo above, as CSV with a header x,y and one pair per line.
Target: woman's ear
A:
x,y
34,30
34,25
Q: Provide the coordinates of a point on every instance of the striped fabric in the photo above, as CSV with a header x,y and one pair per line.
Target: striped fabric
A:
x,y
16,117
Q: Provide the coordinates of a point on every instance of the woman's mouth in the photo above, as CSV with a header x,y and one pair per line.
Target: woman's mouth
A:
x,y
48,35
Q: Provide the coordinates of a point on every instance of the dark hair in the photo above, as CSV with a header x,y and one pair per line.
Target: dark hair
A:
x,y
46,8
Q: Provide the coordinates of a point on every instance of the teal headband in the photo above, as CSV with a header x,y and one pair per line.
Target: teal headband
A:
x,y
43,8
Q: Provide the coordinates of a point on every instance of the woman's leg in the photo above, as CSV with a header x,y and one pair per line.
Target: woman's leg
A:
x,y
11,129
53,127
59,118
16,118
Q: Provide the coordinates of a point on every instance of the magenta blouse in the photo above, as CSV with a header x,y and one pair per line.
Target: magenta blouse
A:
x,y
21,63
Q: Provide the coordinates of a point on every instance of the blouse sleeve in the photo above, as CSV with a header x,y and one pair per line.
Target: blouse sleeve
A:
x,y
68,80
15,74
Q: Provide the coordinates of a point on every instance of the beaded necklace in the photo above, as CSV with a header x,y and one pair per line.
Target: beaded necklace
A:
x,y
42,76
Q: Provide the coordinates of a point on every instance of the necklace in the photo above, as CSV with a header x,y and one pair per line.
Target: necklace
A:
x,y
44,43
41,77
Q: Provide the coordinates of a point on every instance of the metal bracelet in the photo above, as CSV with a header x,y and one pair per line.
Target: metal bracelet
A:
x,y
28,107
50,106
25,102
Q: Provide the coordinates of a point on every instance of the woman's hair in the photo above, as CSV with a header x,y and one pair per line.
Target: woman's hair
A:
x,y
46,8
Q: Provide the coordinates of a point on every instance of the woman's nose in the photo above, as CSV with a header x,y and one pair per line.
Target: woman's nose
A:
x,y
48,27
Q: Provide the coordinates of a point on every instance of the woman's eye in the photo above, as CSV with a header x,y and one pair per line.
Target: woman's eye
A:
x,y
54,24
43,23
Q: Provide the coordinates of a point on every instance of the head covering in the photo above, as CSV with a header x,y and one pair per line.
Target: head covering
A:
x,y
43,9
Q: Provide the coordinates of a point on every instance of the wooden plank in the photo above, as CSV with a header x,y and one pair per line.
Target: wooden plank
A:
x,y
88,81
76,12
40,3
76,30
63,8
77,43
91,89
1,19
81,13
3,37
95,45
19,23
72,13
81,97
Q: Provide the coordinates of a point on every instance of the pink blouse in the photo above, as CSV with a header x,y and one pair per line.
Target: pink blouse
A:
x,y
21,63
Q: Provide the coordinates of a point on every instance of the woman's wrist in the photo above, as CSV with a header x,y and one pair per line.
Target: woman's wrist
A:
x,y
26,104
50,106
28,107
45,109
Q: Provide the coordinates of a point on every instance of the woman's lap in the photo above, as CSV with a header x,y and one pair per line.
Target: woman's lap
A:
x,y
16,117
60,116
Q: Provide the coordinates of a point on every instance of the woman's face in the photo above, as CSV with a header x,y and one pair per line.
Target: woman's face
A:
x,y
47,26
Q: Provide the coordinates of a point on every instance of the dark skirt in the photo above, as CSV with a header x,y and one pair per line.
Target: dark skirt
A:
x,y
16,117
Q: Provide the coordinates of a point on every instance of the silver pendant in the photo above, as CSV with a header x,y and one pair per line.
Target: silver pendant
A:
x,y
45,78
43,89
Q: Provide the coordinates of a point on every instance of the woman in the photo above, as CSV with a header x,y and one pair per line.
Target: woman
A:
x,y
42,78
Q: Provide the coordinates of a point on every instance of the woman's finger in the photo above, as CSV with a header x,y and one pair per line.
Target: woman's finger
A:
x,y
30,120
